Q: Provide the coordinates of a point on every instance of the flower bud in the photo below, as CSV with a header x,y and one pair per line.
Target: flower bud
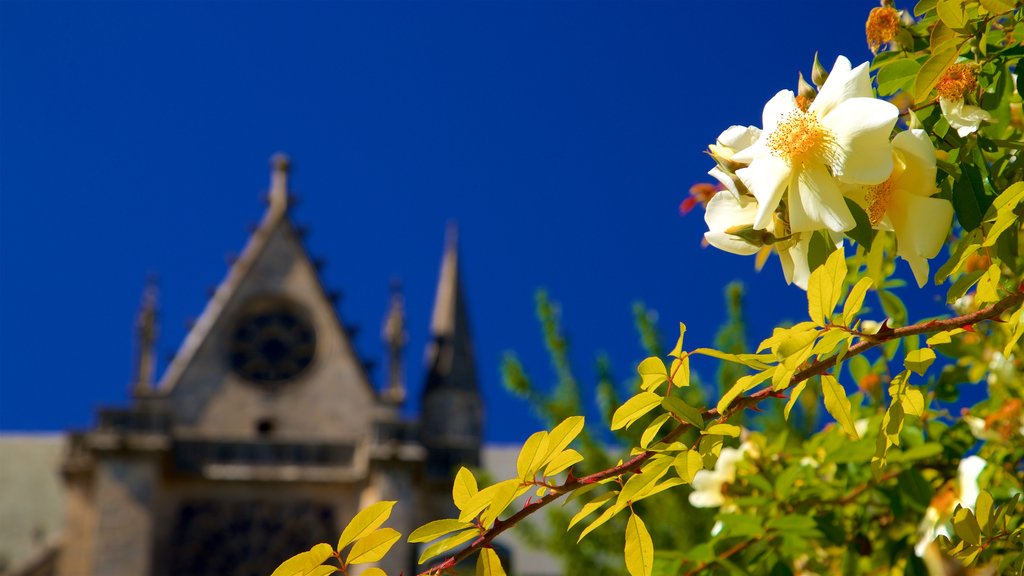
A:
x,y
805,93
818,73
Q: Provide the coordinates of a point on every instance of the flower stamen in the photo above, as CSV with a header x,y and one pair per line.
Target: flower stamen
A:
x,y
882,25
878,198
801,138
958,81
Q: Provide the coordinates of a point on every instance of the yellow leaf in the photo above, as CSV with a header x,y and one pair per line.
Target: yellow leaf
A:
x,y
464,488
365,522
447,544
825,286
930,72
436,529
855,299
634,408
793,395
488,563
373,546
562,461
723,430
988,286
755,361
373,572
326,569
687,464
919,360
742,385
562,435
639,548
652,373
296,565
677,351
532,455
913,402
953,13
600,520
837,404
591,507
679,373
503,496
652,430
997,7
483,499
634,488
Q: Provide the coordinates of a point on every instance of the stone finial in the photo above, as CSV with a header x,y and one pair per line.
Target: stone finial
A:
x,y
280,166
395,336
146,329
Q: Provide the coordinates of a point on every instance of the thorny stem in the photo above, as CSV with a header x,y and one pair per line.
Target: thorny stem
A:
x,y
816,368
736,549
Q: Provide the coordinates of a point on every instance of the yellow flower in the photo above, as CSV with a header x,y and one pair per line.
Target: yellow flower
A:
x,y
903,203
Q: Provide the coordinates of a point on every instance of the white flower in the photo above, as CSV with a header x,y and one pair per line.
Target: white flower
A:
x,y
936,517
964,118
725,213
708,485
903,203
1001,369
843,134
734,139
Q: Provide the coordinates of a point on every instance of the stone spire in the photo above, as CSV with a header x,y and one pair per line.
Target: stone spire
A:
x,y
280,166
145,339
395,337
452,408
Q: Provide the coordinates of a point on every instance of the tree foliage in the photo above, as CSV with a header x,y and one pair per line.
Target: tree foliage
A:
x,y
912,157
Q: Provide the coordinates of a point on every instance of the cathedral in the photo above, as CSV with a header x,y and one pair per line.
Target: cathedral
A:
x,y
264,434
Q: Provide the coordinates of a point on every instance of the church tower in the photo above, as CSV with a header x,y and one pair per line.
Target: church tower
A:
x,y
451,421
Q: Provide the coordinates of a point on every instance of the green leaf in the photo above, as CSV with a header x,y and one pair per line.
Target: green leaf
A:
x,y
639,547
373,546
923,7
447,544
966,526
837,404
855,299
932,69
824,288
683,411
365,522
687,464
969,198
862,232
436,529
919,360
983,511
488,563
464,488
723,430
634,408
996,7
652,373
531,457
897,76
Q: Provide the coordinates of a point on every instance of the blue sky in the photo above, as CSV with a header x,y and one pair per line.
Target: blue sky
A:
x,y
134,139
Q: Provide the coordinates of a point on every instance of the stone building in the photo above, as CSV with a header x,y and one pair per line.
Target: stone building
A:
x,y
264,434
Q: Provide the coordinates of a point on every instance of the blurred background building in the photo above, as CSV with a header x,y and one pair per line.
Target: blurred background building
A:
x,y
263,436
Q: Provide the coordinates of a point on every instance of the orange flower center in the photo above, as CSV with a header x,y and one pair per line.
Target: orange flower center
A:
x,y
800,138
879,196
958,81
882,25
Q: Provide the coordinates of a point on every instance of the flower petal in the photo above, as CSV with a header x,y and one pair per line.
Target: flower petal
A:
x,y
794,261
842,84
739,137
917,154
817,202
861,127
725,180
766,178
964,117
928,221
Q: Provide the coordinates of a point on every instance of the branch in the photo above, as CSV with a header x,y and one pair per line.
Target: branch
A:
x,y
816,368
